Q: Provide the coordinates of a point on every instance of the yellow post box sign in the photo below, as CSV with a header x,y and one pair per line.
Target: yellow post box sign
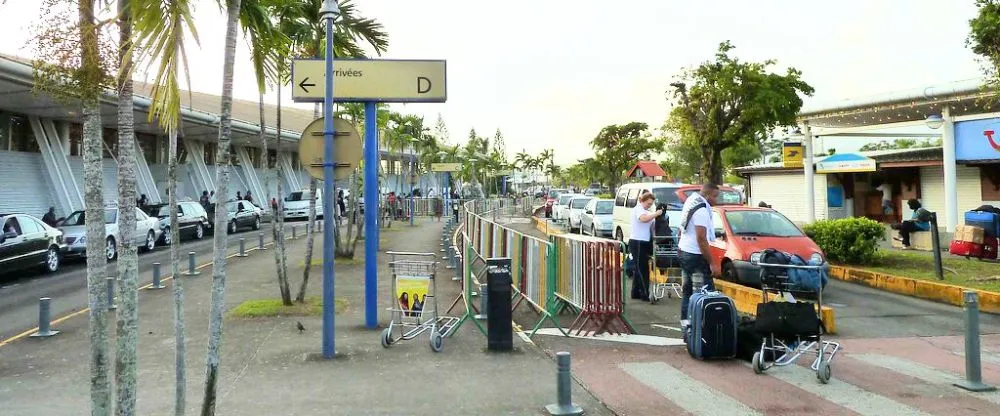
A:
x,y
791,154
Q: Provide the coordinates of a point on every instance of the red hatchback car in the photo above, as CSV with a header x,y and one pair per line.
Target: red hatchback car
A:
x,y
742,233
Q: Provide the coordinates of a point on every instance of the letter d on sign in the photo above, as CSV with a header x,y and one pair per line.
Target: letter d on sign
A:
x,y
423,85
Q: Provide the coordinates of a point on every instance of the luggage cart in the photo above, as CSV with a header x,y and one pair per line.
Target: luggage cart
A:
x,y
415,309
791,335
661,282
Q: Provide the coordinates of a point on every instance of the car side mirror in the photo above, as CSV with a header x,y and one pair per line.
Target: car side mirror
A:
x,y
720,234
589,211
9,234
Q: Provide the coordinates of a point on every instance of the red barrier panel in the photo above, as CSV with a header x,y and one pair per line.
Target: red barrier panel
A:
x,y
602,290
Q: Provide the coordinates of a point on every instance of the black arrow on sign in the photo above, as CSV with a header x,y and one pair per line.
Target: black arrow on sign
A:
x,y
303,85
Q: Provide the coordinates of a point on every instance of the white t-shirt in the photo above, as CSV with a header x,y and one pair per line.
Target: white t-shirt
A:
x,y
701,218
886,191
640,230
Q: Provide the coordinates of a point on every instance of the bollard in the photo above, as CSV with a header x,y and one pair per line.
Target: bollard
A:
x,y
457,260
111,293
293,232
973,369
319,226
564,389
260,241
483,302
156,277
243,248
192,270
44,320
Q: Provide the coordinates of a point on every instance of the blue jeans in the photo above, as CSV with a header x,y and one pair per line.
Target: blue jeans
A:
x,y
693,266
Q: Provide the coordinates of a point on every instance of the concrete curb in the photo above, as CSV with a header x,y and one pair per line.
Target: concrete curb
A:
x,y
745,298
924,289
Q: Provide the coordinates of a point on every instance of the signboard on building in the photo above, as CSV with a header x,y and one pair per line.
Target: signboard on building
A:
x,y
382,80
977,139
446,167
845,163
791,154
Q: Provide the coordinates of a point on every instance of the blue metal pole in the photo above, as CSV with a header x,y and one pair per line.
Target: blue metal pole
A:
x,y
371,215
410,179
329,191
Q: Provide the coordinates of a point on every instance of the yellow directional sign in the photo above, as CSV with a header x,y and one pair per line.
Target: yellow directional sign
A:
x,y
383,80
791,154
346,148
446,167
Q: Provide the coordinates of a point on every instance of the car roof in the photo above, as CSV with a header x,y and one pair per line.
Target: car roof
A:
x,y
740,208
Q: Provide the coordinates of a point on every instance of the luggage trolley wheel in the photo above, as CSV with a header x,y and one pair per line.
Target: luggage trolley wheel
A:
x,y
386,338
437,341
823,373
758,366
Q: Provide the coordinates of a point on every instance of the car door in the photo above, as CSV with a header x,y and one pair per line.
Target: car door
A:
x,y
141,227
721,243
35,239
244,214
13,249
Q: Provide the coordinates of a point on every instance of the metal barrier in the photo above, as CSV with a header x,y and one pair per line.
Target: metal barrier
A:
x,y
590,282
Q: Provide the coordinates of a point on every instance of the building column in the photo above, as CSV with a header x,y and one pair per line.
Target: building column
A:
x,y
807,166
202,177
950,174
60,174
144,176
243,154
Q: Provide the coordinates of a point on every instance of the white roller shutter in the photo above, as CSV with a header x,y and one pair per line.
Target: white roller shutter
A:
x,y
785,192
25,189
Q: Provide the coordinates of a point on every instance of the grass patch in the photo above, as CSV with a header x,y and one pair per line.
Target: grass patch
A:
x,y
920,265
261,308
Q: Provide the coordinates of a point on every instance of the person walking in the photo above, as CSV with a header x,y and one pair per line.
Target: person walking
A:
x,y
693,251
50,217
640,245
920,221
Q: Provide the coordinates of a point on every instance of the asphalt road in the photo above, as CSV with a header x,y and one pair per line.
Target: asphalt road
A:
x,y
19,293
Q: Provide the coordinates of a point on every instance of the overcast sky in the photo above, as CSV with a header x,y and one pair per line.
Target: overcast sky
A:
x,y
550,74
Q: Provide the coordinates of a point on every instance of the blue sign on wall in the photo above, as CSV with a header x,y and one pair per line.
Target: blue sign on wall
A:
x,y
977,139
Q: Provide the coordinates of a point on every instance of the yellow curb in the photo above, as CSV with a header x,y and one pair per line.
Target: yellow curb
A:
x,y
747,299
923,289
542,225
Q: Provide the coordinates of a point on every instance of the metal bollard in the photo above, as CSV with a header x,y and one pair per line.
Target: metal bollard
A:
x,y
44,320
973,368
110,285
156,277
483,301
243,248
192,270
260,241
319,226
293,232
564,389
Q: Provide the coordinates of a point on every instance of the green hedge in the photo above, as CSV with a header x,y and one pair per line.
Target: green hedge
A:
x,y
848,240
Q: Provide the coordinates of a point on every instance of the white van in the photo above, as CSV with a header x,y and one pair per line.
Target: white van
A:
x,y
297,204
628,195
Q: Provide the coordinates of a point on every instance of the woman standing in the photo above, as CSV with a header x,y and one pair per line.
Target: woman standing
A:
x,y
640,245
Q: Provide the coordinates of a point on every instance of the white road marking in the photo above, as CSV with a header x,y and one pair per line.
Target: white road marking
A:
x,y
627,338
691,395
922,372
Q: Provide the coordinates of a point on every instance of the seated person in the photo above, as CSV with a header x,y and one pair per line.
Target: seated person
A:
x,y
920,221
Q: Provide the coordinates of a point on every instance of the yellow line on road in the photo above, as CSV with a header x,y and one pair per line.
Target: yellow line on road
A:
x,y
85,310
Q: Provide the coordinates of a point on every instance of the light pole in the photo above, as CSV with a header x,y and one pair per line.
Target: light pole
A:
x,y
446,189
412,178
328,14
473,161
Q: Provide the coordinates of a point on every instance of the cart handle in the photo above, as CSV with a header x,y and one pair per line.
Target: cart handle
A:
x,y
793,266
409,253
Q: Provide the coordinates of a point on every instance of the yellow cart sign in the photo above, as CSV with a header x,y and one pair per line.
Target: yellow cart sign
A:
x,y
446,167
791,154
382,80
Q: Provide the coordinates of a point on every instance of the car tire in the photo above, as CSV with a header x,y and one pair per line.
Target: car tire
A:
x,y
111,249
168,237
199,232
231,229
150,242
51,260
729,272
256,222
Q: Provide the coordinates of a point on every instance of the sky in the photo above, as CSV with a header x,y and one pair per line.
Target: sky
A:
x,y
550,74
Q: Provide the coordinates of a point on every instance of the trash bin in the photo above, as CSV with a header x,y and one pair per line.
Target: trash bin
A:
x,y
499,329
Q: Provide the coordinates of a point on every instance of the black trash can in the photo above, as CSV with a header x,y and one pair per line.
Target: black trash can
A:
x,y
499,329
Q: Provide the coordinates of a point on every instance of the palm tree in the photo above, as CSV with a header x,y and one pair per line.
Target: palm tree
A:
x,y
160,28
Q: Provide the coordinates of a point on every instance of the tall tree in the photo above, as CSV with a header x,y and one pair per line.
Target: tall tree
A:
x,y
128,261
618,147
984,39
727,101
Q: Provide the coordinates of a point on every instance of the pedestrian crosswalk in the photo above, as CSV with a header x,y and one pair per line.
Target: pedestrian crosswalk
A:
x,y
889,377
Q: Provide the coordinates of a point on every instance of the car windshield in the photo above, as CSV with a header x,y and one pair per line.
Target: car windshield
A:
x,y
555,192
605,207
80,218
761,223
668,196
564,199
579,203
298,196
163,212
231,206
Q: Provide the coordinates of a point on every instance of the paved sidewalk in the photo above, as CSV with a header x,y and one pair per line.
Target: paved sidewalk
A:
x,y
265,367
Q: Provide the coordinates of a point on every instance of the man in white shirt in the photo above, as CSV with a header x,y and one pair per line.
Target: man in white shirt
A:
x,y
639,244
886,189
694,253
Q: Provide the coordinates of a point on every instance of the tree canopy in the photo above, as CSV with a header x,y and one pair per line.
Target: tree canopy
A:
x,y
618,147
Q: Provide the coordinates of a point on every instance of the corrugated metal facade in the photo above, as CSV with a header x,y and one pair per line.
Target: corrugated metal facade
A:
x,y
25,188
785,192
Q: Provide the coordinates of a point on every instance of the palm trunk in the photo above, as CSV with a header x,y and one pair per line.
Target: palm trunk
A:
x,y
128,310
286,296
310,237
180,347
100,389
278,219
222,188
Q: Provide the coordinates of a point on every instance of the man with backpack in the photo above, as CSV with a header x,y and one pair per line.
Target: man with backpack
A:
x,y
693,251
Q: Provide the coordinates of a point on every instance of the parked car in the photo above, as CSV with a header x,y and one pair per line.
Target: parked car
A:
x,y
297,204
742,233
242,214
598,218
147,232
192,220
628,195
560,210
727,195
576,205
550,201
26,242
